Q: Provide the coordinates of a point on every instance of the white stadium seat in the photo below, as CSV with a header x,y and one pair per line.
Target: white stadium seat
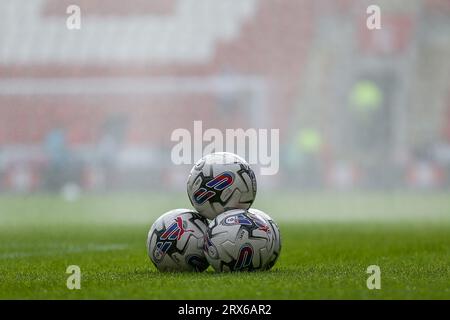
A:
x,y
188,35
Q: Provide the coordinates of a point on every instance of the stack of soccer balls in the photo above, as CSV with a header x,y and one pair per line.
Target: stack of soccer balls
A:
x,y
221,187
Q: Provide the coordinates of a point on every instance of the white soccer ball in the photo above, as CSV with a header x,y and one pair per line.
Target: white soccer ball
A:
x,y
276,249
239,240
175,241
219,182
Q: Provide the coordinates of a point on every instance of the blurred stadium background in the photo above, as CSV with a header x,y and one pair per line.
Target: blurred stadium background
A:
x,y
364,120
93,109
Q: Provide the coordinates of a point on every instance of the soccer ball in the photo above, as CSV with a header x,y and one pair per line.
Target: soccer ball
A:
x,y
276,249
219,182
175,241
239,240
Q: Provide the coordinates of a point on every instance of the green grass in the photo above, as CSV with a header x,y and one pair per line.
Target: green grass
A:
x,y
328,242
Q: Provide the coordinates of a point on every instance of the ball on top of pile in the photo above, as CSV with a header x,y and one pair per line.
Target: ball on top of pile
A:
x,y
219,182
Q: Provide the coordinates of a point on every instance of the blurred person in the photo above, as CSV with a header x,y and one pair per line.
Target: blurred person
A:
x,y
109,146
425,170
232,105
366,99
441,148
20,178
304,158
58,158
370,132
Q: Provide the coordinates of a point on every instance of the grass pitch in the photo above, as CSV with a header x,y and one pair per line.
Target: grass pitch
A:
x,y
329,240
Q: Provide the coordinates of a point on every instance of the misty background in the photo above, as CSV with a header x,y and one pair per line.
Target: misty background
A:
x,y
92,110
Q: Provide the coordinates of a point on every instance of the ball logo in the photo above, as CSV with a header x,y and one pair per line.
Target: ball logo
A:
x,y
218,183
202,195
160,250
245,257
209,248
260,223
237,219
174,232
